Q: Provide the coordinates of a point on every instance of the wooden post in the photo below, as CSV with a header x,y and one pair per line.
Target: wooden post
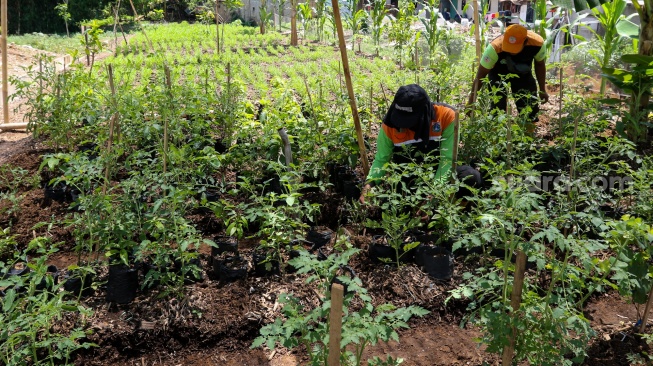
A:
x,y
217,29
477,31
560,108
5,73
142,29
113,100
166,70
515,301
109,144
310,100
456,131
350,87
335,324
642,327
88,53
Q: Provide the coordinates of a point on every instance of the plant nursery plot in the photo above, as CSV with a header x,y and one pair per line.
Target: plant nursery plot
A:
x,y
189,201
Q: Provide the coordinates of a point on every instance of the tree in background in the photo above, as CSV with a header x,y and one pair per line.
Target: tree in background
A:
x,y
62,11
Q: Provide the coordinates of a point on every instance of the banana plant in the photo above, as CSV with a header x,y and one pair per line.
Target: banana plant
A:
x,y
305,15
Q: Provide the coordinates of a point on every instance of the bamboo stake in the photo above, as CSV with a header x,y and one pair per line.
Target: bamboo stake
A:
x,y
166,70
456,131
142,29
477,34
113,99
560,108
13,126
642,327
515,301
5,73
369,120
109,145
310,101
88,52
509,134
217,30
335,324
350,87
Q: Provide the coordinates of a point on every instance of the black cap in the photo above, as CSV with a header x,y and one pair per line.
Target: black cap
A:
x,y
408,107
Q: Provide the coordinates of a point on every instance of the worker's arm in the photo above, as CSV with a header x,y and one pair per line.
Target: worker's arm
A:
x,y
487,62
446,153
540,75
384,149
478,83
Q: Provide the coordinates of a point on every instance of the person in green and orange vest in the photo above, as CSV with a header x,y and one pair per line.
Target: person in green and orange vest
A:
x,y
412,127
515,52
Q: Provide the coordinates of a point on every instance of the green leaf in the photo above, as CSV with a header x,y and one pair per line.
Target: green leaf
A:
x,y
634,58
626,28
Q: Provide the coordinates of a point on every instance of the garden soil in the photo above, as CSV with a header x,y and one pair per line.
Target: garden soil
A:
x,y
215,323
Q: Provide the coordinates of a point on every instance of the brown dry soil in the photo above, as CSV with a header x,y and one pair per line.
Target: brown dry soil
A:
x,y
215,323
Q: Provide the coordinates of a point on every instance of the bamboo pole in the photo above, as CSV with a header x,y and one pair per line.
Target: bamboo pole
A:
x,y
113,100
642,327
217,29
109,145
560,107
13,126
5,73
335,324
350,87
310,100
477,31
456,131
142,29
515,301
166,70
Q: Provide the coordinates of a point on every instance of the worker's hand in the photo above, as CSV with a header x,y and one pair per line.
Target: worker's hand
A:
x,y
544,96
364,192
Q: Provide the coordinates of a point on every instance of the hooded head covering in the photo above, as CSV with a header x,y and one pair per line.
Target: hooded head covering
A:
x,y
412,109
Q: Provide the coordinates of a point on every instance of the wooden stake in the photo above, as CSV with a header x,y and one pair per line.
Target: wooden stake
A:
x,y
477,33
217,30
166,70
515,301
369,120
642,327
142,29
335,324
109,145
560,108
310,100
456,131
114,101
350,87
5,73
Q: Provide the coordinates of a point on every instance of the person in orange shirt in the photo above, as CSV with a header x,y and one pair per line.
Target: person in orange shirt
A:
x,y
515,52
414,127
